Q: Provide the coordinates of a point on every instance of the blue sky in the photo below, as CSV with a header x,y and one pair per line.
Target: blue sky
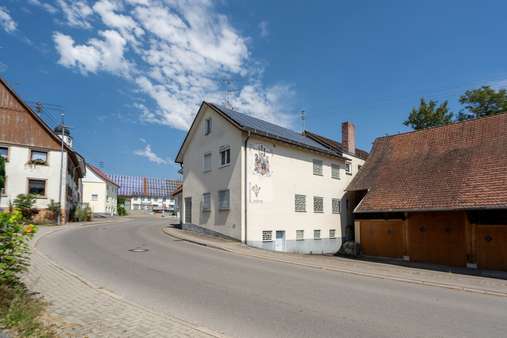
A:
x,y
130,74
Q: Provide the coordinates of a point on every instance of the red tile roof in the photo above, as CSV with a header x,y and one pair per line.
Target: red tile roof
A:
x,y
336,146
457,166
101,174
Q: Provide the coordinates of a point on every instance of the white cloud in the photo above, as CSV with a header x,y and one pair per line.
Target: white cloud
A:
x,y
6,21
499,84
177,52
44,5
77,13
149,154
264,29
97,54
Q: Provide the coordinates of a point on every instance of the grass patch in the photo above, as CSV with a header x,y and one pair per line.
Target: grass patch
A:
x,y
21,312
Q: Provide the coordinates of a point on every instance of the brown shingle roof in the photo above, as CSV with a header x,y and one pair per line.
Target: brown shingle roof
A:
x,y
457,166
333,145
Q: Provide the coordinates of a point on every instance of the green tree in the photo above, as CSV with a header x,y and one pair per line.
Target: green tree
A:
x,y
25,203
2,175
429,114
481,102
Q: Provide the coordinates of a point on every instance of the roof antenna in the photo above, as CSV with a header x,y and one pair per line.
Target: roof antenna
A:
x,y
227,94
303,122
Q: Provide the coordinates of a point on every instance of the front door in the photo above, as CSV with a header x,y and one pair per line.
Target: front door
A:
x,y
280,240
188,210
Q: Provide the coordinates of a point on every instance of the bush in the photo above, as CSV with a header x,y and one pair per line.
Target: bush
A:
x,y
82,214
121,206
25,203
14,248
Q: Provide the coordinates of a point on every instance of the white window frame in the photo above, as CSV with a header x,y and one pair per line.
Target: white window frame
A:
x,y
206,202
317,234
315,199
225,149
338,202
296,196
32,151
318,167
300,235
348,168
221,202
207,126
335,171
95,197
267,235
204,168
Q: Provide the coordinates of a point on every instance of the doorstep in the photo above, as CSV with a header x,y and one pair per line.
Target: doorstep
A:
x,y
360,267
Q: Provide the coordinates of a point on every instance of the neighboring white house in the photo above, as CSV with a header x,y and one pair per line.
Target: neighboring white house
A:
x,y
264,184
146,193
34,158
100,193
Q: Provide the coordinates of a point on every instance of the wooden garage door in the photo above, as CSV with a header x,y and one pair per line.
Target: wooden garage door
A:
x,y
381,238
437,237
491,245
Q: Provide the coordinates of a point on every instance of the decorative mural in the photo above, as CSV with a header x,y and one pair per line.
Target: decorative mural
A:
x,y
262,165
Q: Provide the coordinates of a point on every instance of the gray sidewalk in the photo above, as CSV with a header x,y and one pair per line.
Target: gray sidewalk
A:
x,y
81,309
455,281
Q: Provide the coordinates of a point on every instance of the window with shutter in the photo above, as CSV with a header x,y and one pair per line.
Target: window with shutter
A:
x,y
267,235
207,162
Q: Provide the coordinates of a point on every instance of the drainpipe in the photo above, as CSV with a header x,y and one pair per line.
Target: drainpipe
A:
x,y
246,186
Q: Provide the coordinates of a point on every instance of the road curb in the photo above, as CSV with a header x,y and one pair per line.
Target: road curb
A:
x,y
348,271
110,293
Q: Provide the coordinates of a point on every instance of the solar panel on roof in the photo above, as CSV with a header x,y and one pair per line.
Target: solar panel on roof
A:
x,y
271,129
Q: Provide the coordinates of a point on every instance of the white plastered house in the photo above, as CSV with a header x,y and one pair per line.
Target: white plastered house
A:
x,y
266,185
100,193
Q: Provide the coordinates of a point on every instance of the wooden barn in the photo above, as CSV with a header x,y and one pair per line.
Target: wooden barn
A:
x,y
437,195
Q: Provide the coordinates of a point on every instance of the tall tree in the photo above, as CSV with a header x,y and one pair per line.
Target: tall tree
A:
x,y
429,114
483,101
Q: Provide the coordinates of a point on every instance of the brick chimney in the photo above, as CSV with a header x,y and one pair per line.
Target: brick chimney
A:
x,y
349,137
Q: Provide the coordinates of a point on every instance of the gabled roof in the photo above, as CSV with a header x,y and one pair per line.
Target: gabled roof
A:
x,y
101,174
334,145
144,186
262,128
78,160
457,166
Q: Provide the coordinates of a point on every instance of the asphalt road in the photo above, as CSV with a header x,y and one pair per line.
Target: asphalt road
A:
x,y
247,297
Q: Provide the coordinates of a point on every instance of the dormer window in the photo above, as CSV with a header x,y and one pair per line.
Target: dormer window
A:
x,y
207,126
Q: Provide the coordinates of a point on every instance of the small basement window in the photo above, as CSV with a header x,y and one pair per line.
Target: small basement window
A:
x,y
332,233
267,235
37,187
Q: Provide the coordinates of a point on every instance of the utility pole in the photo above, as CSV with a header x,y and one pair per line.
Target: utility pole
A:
x,y
62,137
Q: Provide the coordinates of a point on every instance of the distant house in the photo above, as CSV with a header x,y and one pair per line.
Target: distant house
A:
x,y
437,195
146,193
100,193
266,185
33,153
